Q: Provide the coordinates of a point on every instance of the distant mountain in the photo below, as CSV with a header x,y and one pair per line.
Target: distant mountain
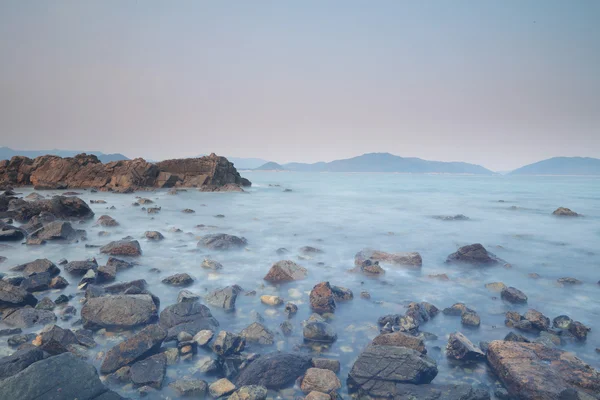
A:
x,y
7,153
244,163
386,162
561,166
270,166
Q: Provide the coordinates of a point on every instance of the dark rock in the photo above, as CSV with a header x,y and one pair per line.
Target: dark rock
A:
x,y
27,317
461,348
122,248
107,221
178,280
190,317
456,309
457,217
473,254
440,392
154,235
223,298
401,340
58,231
18,340
258,333
37,267
579,330
310,251
10,331
562,322
325,363
189,387
564,212
56,340
290,309
251,392
286,328
45,304
81,267
37,283
186,295
222,241
285,271
569,281
513,295
62,207
538,320
119,265
227,343
470,318
107,273
320,380
118,311
58,282
322,299
18,361
150,371
138,346
513,337
316,331
342,293
9,233
274,370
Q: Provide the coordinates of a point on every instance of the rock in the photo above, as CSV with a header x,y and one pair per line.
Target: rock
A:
x,y
274,370
322,298
342,293
56,340
400,339
81,267
150,371
58,282
211,264
564,212
456,309
470,318
513,295
60,377
37,283
579,330
223,298
317,395
222,241
186,295
37,267
440,392
562,322
154,235
190,317
189,387
227,343
122,248
45,304
271,300
18,361
411,259
251,392
290,309
457,217
18,340
534,371
513,337
474,254
257,333
379,368
61,207
316,331
285,271
178,280
106,221
27,317
538,320
461,348
118,264
569,281
9,233
134,348
88,278
286,328
365,295
495,286
325,363
203,337
220,388
118,311
57,231
320,380
107,273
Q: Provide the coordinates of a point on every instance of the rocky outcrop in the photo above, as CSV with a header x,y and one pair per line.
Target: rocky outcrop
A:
x,y
60,207
87,171
534,371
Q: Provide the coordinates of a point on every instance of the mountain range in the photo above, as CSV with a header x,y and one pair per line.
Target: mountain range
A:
x,y
7,153
561,166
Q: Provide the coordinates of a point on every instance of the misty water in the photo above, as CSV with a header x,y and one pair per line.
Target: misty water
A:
x,y
342,214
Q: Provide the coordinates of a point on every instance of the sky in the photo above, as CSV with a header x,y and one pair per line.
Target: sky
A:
x,y
496,83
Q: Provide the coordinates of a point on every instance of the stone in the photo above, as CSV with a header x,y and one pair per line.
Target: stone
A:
x,y
189,387
456,309
10,233
440,392
27,317
211,264
534,371
457,217
37,267
134,348
564,212
106,221
227,343
569,281
538,320
129,248
474,254
18,361
316,331
18,340
88,278
410,259
342,293
365,295
222,241
325,363
220,388
290,309
186,295
258,333
495,286
320,380
154,235
285,271
203,337
286,328
379,368
57,231
118,264
223,298
150,371
36,283
317,396
190,317
58,282
513,337
61,207
250,392
513,295
322,299
271,300
81,267
461,348
178,280
274,370
579,330
470,318
107,273
562,322
118,311
401,340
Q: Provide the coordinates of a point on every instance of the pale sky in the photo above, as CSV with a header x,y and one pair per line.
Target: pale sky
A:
x,y
496,83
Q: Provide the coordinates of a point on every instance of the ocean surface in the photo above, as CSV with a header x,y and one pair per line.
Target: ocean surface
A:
x,y
342,213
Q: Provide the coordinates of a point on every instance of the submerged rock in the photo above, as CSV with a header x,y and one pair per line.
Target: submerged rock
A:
x,y
27,317
178,280
154,235
564,212
250,392
440,392
81,267
411,259
285,271
474,254
258,333
18,361
227,343
37,267
211,264
224,298
189,387
513,295
106,221
222,241
274,370
150,371
318,331
400,339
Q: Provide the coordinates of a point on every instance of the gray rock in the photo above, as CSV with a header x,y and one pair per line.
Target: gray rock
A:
x,y
461,348
440,392
136,347
37,267
107,273
178,280
222,241
258,333
251,392
56,340
325,363
129,248
18,361
474,254
274,370
513,295
186,295
189,387
118,311
81,267
227,343
319,332
400,339
13,296
45,304
223,298
211,264
320,380
37,283
190,317
285,271
150,371
27,317
154,235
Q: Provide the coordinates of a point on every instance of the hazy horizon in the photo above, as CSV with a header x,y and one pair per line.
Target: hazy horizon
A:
x,y
499,84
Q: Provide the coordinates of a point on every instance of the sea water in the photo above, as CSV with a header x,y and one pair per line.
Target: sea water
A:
x,y
342,213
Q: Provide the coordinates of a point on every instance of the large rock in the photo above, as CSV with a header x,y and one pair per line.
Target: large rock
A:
x,y
222,241
57,231
37,283
150,371
322,299
319,331
461,348
379,368
190,317
513,295
474,254
285,271
533,371
320,380
56,340
118,311
61,207
401,340
258,333
227,343
410,259
81,267
274,370
134,348
64,376
14,296
223,298
37,267
27,317
565,212
9,233
122,248
18,361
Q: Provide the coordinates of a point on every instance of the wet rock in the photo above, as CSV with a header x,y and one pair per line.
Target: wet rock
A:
x,y
107,273
286,328
224,298
379,368
310,251
401,340
18,361
190,317
118,311
227,343
136,347
441,277
150,371
56,340
456,309
62,207
36,283
317,395
495,286
285,271
222,241
37,267
154,235
568,281
534,371
474,254
178,280
122,248
513,337
18,340
342,293
513,295
220,388
470,318
440,392
81,267
548,339
88,278
316,331
290,309
189,387
106,221
186,295
27,317
365,295
411,259
461,348
579,330
271,300
9,233
211,264
10,331
203,337
118,264
274,370
562,322
564,212
538,320
58,282
258,333
251,392
57,231
322,299
325,363
320,380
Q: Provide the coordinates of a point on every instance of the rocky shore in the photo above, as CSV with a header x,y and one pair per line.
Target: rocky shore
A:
x,y
112,339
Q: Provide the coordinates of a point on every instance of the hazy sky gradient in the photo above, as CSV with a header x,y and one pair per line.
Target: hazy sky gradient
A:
x,y
497,83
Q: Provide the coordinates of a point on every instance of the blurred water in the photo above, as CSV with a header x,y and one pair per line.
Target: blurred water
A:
x,y
343,213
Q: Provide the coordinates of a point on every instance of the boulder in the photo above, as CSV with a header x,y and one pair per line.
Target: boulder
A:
x,y
36,267
274,370
538,320
81,267
579,330
409,259
107,221
57,231
106,273
379,368
322,299
186,295
318,331
222,241
119,265
118,311
223,298
258,333
18,361
150,371
37,283
470,318
320,380
56,340
461,348
400,339
513,295
190,317
122,248
9,233
27,317
285,271
534,371
178,280
440,392
341,293
134,348
227,343
564,212
474,254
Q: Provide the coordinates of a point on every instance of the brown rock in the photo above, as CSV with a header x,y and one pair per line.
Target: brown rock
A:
x,y
322,298
400,339
320,380
122,248
285,271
